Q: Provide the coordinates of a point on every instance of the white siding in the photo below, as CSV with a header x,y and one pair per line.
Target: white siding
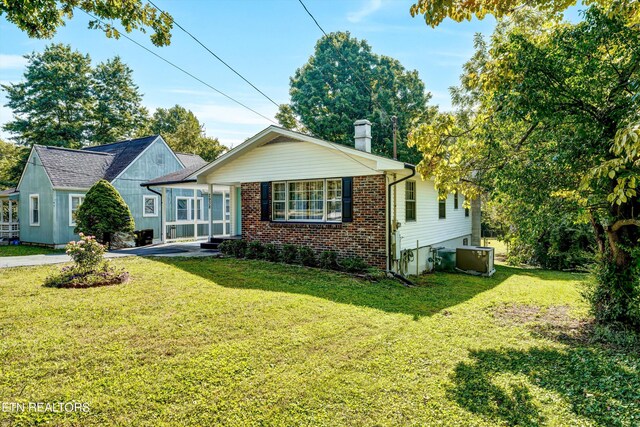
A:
x,y
289,161
428,229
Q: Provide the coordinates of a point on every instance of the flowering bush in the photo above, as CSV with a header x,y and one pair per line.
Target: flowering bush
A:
x,y
86,253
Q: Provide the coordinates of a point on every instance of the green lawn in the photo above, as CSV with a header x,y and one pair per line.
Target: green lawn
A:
x,y
22,250
235,343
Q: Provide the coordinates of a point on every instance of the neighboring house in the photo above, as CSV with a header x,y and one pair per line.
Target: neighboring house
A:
x,y
55,181
9,224
288,187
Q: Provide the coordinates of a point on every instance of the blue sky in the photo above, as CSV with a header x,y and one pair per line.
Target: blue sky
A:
x,y
266,40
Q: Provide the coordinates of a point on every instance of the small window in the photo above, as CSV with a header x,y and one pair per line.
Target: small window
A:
x,y
279,196
75,200
455,200
465,242
199,209
442,208
410,201
182,208
334,200
34,209
150,206
466,212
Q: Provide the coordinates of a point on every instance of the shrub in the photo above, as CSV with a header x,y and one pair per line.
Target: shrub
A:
x,y
329,260
74,277
86,253
226,247
239,248
354,265
104,213
307,256
254,250
270,253
290,254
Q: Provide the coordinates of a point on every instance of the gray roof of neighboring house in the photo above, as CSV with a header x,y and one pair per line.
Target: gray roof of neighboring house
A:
x,y
124,153
190,160
8,191
175,177
73,168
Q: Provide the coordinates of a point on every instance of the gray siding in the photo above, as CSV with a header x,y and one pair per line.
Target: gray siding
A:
x,y
36,181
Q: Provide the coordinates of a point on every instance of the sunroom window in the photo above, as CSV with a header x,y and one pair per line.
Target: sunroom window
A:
x,y
316,200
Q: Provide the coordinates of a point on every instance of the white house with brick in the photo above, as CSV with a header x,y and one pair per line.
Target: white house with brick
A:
x,y
288,187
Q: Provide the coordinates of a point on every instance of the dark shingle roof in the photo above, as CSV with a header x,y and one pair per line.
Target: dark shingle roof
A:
x,y
8,191
73,168
175,177
124,153
189,160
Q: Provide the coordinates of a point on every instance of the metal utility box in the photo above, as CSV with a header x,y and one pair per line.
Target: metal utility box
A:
x,y
447,259
478,259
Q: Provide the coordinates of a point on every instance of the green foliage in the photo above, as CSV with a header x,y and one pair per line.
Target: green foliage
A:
x,y
329,260
64,101
42,19
13,158
255,250
226,247
183,132
354,265
86,253
118,111
104,213
290,254
332,90
271,253
103,274
307,256
239,248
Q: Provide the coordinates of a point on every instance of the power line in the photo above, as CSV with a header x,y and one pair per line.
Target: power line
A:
x,y
214,55
184,71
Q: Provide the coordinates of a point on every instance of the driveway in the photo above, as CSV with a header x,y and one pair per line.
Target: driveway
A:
x,y
189,249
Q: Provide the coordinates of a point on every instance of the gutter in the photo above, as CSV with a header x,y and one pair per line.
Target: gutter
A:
x,y
148,187
412,168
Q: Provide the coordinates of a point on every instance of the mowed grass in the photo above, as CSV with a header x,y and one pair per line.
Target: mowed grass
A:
x,y
24,250
235,343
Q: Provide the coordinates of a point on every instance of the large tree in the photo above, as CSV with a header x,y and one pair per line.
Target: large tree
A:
x,y
345,81
549,114
53,104
118,110
184,133
41,19
12,160
64,101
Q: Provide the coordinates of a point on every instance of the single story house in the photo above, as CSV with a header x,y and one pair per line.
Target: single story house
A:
x,y
55,180
288,187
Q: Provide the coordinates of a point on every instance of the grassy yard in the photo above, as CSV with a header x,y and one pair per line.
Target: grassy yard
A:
x,y
235,343
22,250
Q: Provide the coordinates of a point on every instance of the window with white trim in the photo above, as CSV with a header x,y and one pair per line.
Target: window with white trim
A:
x,y
149,206
34,209
187,210
410,201
313,200
442,208
75,200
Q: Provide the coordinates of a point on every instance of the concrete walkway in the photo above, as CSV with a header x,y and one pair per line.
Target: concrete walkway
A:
x,y
190,249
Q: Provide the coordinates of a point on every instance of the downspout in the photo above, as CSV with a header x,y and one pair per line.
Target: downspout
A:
x,y
389,254
161,210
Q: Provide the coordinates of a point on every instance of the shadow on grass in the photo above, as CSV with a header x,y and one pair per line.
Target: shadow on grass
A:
x,y
436,293
598,384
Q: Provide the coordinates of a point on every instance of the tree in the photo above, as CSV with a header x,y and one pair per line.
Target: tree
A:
x,y
436,11
64,101
103,213
118,112
41,19
12,161
549,114
51,104
183,132
344,81
287,118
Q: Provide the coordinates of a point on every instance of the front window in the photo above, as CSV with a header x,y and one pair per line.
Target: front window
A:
x,y
150,205
410,201
182,209
34,208
317,200
75,200
188,210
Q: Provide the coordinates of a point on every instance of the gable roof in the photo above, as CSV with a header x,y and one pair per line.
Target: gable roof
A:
x,y
124,152
69,168
275,134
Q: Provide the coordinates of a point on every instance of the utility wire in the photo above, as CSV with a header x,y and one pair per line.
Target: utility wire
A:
x,y
185,71
214,55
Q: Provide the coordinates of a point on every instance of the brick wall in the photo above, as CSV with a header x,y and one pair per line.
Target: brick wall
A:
x,y
364,237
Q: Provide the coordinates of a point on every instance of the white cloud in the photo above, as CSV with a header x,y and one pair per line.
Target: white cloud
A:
x,y
12,61
367,9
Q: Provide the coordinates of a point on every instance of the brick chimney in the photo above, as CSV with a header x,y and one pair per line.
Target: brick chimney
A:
x,y
363,135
